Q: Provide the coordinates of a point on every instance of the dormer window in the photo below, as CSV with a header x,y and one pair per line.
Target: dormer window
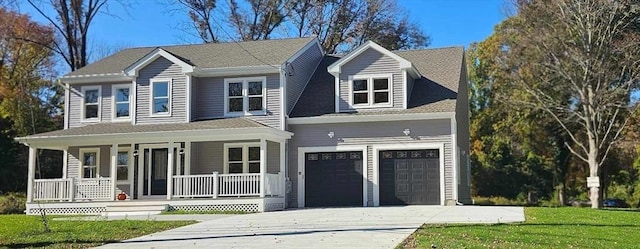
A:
x,y
91,96
370,91
245,96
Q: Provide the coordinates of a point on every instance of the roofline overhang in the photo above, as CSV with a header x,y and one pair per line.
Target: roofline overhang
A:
x,y
63,142
235,71
92,78
371,118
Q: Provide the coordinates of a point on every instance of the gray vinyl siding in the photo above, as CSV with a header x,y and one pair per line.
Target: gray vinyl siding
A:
x,y
161,68
209,99
299,71
369,134
209,156
462,121
371,62
75,103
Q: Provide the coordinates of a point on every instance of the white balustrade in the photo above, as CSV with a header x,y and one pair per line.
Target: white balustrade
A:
x,y
72,189
239,184
93,189
195,185
51,189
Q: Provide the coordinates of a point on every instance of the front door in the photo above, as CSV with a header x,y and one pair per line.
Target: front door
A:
x,y
155,171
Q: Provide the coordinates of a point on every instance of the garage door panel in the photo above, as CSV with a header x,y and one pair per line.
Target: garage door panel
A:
x,y
409,177
333,179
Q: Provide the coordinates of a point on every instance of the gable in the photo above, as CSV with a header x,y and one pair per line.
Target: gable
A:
x,y
134,68
336,67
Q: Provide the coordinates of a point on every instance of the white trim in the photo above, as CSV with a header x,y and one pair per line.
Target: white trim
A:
x,y
371,91
81,154
405,97
263,166
301,167
65,163
141,166
151,97
93,78
283,97
336,66
454,157
83,89
134,101
245,96
235,71
67,100
336,92
134,68
113,166
245,155
370,118
408,146
114,103
189,98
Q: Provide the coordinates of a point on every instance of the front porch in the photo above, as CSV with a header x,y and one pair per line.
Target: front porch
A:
x,y
243,171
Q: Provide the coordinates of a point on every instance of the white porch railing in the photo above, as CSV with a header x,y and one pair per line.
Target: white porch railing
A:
x,y
215,185
72,189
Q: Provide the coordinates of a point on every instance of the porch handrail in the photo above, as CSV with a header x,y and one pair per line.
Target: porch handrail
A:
x,y
247,184
51,189
92,188
72,189
195,185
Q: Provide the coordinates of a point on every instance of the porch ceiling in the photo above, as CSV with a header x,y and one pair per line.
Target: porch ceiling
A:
x,y
123,133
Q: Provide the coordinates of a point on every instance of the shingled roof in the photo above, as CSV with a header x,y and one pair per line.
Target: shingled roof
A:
x,y
435,91
212,55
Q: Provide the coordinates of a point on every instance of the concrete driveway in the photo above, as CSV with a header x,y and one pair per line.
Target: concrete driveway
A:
x,y
371,227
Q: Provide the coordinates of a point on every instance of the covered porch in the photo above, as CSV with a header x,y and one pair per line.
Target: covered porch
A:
x,y
193,166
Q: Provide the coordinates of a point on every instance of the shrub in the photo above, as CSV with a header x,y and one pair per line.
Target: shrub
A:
x,y
12,204
497,201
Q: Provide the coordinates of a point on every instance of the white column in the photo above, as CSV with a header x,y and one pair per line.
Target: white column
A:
x,y
187,158
113,172
263,166
170,170
283,170
65,163
33,152
130,169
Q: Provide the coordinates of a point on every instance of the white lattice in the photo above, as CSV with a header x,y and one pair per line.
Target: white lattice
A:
x,y
68,210
251,208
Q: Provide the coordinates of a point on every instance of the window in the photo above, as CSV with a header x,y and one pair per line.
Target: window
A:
x,y
371,91
91,96
242,158
121,102
245,96
160,97
122,167
90,163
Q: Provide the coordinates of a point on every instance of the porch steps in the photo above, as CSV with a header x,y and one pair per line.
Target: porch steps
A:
x,y
134,209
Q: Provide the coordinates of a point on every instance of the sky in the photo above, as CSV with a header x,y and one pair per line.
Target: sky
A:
x,y
153,23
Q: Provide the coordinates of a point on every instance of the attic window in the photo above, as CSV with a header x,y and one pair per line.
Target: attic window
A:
x,y
371,91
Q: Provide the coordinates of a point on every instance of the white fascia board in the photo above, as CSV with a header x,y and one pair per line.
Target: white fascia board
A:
x,y
235,71
336,66
58,142
370,118
95,78
133,69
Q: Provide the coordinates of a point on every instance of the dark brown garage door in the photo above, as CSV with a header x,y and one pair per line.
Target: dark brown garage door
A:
x,y
409,177
333,179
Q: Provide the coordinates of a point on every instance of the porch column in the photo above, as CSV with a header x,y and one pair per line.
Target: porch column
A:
x,y
187,158
263,166
170,170
33,152
283,171
113,172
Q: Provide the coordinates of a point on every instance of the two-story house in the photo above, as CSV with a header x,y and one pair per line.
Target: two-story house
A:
x,y
258,126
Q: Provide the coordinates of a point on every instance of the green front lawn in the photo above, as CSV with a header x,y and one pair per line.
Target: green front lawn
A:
x,y
543,228
19,231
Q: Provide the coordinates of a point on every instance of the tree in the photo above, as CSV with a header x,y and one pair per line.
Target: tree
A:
x,y
579,62
260,20
201,13
72,21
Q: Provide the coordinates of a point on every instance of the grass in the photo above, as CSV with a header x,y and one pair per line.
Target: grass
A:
x,y
204,212
544,228
26,231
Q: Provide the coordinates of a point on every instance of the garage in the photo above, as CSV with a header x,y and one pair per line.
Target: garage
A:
x,y
409,177
333,179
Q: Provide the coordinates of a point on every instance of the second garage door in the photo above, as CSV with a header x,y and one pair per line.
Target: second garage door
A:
x,y
409,177
333,179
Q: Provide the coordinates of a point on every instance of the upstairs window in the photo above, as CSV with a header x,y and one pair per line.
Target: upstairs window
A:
x,y
160,97
245,96
371,91
91,103
121,102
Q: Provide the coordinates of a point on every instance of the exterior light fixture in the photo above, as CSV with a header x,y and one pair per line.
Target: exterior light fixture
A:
x,y
331,134
406,132
135,152
181,151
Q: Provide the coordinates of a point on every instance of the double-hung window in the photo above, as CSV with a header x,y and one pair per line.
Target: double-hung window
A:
x,y
371,90
245,96
121,102
90,163
242,158
122,167
91,96
160,97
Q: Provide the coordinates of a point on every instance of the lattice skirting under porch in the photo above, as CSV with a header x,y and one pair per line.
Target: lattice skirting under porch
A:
x,y
68,210
250,208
